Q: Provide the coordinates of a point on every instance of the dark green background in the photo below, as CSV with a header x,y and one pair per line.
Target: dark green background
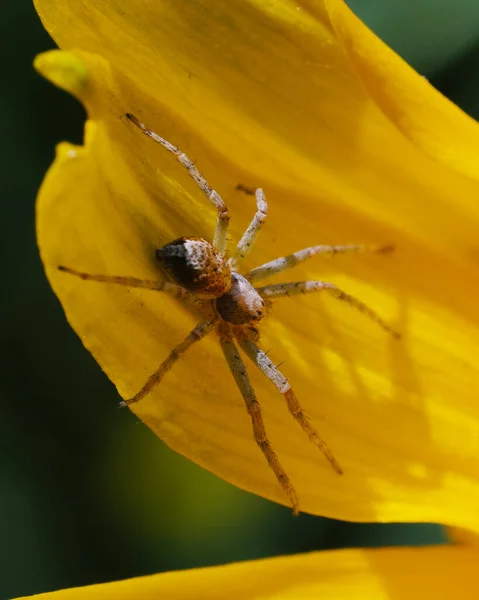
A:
x,y
87,493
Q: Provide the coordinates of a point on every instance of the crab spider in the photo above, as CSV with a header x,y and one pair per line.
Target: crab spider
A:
x,y
233,306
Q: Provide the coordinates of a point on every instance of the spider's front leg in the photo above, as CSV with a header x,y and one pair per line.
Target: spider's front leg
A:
x,y
271,371
253,407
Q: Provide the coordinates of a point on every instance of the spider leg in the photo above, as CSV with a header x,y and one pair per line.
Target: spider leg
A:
x,y
304,287
287,262
221,231
268,368
172,289
240,375
246,242
197,334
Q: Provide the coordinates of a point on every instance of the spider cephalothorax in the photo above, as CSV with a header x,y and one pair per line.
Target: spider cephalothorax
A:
x,y
202,270
241,304
230,303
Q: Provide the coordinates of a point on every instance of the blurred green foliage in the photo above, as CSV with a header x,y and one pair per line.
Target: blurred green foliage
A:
x,y
88,494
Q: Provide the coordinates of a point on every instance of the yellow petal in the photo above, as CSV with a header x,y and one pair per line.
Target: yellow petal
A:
x,y
399,573
261,93
423,115
64,70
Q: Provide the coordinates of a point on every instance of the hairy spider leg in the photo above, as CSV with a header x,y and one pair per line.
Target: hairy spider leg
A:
x,y
287,262
268,368
304,287
253,407
221,231
246,242
172,289
197,334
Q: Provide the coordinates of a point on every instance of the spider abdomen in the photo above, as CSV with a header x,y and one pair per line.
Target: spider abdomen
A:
x,y
196,265
241,304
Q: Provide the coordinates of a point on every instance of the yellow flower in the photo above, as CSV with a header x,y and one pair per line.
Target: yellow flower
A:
x,y
350,145
399,573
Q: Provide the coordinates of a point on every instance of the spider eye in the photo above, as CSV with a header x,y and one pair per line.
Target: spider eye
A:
x,y
197,266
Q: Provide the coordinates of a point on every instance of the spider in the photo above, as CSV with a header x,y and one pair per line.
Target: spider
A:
x,y
232,305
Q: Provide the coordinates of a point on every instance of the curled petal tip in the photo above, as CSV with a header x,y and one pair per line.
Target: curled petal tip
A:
x,y
63,69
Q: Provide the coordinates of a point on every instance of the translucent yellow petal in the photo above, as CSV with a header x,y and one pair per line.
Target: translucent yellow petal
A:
x,y
269,84
423,115
64,70
261,93
402,574
463,536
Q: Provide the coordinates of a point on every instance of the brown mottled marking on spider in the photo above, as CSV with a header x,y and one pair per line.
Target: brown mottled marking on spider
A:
x,y
202,276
